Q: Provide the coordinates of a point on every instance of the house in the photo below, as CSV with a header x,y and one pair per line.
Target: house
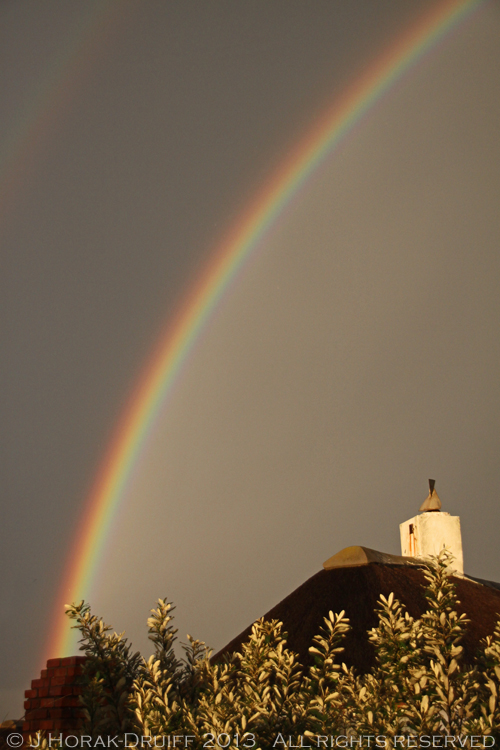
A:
x,y
353,579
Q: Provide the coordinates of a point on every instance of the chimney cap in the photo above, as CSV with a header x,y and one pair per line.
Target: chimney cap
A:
x,y
432,501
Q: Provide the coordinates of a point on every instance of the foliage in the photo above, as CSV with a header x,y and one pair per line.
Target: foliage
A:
x,y
109,674
262,697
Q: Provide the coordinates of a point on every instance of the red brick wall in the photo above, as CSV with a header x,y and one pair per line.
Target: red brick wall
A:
x,y
52,703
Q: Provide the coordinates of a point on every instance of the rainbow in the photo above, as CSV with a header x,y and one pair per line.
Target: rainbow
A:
x,y
160,373
53,91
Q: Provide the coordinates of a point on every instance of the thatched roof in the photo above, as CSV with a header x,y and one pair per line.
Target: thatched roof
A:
x,y
356,589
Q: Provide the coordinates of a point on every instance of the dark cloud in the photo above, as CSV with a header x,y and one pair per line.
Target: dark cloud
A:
x,y
354,358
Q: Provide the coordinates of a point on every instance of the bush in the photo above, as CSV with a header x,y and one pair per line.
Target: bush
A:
x,y
262,697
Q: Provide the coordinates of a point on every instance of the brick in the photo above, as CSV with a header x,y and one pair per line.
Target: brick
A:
x,y
46,724
71,690
44,674
57,681
74,671
31,693
43,692
56,690
38,684
71,700
53,663
39,713
71,661
60,671
48,702
34,703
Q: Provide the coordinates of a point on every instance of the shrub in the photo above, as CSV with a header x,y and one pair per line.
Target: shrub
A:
x,y
263,697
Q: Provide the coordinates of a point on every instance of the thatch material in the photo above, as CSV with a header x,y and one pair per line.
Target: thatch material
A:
x,y
356,590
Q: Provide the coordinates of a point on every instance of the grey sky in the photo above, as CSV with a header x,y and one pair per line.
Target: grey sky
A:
x,y
356,356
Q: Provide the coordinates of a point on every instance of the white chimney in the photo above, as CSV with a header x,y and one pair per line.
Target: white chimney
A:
x,y
431,531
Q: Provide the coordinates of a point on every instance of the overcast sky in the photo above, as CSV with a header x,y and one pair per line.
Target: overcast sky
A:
x,y
355,356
